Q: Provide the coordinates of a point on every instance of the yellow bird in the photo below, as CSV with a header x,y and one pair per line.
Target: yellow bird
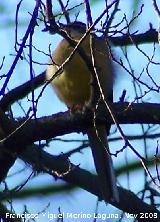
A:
x,y
73,87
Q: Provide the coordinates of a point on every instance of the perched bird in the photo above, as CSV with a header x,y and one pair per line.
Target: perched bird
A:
x,y
73,87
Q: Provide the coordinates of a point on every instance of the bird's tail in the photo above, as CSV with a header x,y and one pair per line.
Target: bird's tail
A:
x,y
103,163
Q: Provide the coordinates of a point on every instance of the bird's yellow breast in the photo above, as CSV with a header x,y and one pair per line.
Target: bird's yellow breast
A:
x,y
73,85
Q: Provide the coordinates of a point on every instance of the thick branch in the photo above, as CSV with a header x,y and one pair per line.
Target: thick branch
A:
x,y
64,123
21,91
147,37
44,162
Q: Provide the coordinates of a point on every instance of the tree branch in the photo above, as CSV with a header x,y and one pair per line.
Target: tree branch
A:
x,y
59,124
149,36
44,162
21,91
63,123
